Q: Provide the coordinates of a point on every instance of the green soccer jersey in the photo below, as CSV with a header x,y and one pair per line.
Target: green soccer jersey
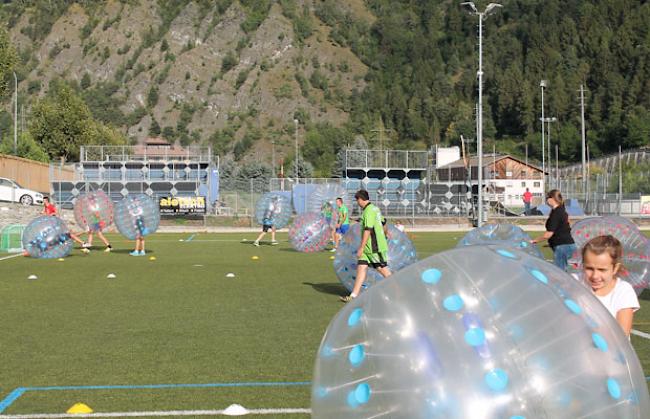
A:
x,y
371,220
343,213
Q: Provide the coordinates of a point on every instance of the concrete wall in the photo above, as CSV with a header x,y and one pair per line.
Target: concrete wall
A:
x,y
31,174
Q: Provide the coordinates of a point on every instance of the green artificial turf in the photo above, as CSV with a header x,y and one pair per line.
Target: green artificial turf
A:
x,y
178,320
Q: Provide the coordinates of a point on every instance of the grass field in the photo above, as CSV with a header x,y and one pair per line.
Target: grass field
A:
x,y
176,320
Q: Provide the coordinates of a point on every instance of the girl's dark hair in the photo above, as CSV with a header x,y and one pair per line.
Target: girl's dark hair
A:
x,y
556,195
605,244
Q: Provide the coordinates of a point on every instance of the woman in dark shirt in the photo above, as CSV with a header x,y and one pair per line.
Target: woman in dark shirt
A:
x,y
558,230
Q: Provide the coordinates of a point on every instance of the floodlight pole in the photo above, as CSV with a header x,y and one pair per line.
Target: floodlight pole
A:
x,y
479,137
15,115
542,85
295,162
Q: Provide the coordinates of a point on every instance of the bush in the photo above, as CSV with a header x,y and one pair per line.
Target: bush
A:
x,y
229,62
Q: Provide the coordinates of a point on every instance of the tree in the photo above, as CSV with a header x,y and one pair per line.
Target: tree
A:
x,y
305,169
85,81
8,59
61,123
27,148
152,97
154,128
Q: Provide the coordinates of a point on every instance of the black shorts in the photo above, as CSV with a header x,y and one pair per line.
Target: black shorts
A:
x,y
374,260
266,228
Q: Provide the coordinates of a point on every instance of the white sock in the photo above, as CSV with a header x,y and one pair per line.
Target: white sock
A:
x,y
353,295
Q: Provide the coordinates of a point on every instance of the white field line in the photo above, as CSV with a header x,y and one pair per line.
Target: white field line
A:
x,y
156,413
641,334
12,256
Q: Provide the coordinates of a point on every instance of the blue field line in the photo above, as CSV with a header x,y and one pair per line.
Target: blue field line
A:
x,y
12,397
190,238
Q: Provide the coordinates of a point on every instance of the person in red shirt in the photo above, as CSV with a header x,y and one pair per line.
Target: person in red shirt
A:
x,y
48,208
528,198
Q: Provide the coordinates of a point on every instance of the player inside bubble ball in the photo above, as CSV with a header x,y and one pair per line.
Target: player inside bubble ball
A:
x,y
601,262
136,212
268,223
373,251
50,209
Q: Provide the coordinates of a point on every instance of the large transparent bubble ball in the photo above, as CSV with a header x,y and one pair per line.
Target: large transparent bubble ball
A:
x,y
94,211
636,247
503,235
477,332
323,200
273,209
309,233
137,216
401,253
47,237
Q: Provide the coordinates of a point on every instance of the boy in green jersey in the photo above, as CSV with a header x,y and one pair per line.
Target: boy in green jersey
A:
x,y
343,224
373,251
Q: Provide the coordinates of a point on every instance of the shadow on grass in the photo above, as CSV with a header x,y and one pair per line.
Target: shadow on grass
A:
x,y
126,251
332,288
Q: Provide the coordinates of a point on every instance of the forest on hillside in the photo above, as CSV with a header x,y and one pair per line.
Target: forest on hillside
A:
x,y
421,85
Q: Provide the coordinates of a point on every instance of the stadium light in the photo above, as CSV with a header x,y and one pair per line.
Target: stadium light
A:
x,y
492,7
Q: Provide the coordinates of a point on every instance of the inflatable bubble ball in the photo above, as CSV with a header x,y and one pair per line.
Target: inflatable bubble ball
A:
x,y
309,233
137,216
636,248
401,253
94,211
47,237
503,235
273,209
452,337
323,200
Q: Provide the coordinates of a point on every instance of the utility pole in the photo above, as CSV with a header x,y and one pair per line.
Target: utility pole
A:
x,y
542,85
295,162
15,114
584,140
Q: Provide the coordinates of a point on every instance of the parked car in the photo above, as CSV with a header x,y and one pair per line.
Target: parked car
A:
x,y
13,192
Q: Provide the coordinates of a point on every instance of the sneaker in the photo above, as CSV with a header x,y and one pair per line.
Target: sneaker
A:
x,y
274,242
86,245
135,253
108,248
256,243
142,253
333,250
347,298
85,250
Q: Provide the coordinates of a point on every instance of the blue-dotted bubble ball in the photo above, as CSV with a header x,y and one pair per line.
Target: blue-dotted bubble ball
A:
x,y
503,235
401,253
94,211
323,201
477,332
47,237
635,267
137,216
273,209
309,232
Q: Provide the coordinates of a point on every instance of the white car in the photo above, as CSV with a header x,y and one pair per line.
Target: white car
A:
x,y
13,192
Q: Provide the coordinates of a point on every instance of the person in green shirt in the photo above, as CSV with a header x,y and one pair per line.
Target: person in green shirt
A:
x,y
373,250
343,224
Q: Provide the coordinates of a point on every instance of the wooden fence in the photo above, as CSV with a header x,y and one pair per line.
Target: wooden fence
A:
x,y
31,174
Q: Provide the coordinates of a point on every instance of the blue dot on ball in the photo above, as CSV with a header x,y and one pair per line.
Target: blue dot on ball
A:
x,y
453,303
573,306
496,379
538,275
431,276
321,392
506,254
356,355
475,336
613,388
352,400
355,317
362,393
599,342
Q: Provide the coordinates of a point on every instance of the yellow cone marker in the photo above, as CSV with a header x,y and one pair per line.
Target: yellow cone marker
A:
x,y
79,408
331,257
152,258
61,259
255,257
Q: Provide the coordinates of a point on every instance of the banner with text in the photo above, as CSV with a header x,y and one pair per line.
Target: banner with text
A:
x,y
182,205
